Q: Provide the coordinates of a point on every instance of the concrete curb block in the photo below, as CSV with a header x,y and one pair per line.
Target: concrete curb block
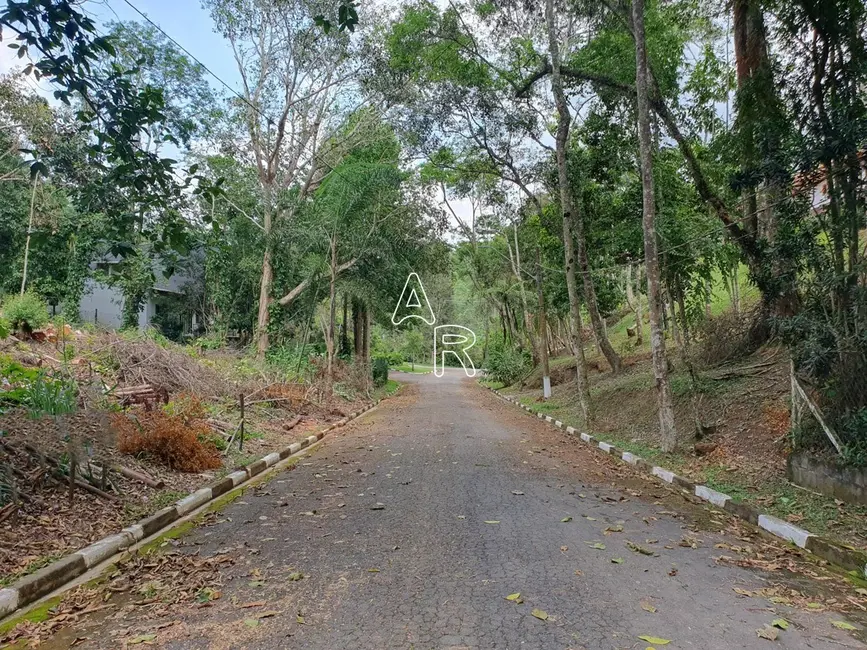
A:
x,y
31,588
827,549
784,529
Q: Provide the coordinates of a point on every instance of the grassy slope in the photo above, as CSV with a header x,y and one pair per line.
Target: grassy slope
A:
x,y
750,416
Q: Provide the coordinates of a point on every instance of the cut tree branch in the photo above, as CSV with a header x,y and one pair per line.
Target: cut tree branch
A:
x,y
292,295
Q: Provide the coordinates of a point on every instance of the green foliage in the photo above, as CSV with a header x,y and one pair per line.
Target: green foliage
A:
x,y
25,312
15,381
380,371
506,364
51,395
5,328
853,430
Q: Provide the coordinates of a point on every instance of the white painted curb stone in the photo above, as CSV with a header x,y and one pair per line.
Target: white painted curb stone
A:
x,y
664,474
784,529
193,501
717,498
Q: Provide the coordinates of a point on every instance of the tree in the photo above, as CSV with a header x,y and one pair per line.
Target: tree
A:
x,y
291,71
414,345
667,431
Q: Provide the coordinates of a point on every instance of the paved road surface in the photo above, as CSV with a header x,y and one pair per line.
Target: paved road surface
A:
x,y
431,510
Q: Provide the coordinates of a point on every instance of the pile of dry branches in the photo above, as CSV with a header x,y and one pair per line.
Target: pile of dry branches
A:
x,y
142,361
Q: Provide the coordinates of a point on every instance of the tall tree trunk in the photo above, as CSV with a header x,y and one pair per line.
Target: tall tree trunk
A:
x,y
365,339
357,330
577,329
667,431
344,330
596,320
543,330
570,214
634,301
267,279
332,317
29,234
516,270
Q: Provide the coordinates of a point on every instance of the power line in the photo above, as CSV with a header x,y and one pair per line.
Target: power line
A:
x,y
267,117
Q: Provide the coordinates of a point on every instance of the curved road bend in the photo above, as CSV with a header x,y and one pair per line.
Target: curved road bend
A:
x,y
399,553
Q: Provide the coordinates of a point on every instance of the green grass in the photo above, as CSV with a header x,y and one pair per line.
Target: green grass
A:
x,y
407,367
390,388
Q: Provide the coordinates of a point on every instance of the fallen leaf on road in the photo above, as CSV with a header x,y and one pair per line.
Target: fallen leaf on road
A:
x,y
617,560
516,597
843,625
655,640
251,622
589,518
768,633
579,572
300,619
647,607
142,638
255,603
742,592
378,506
632,546
564,549
538,613
597,545
373,570
781,623
613,529
582,495
492,521
295,576
565,520
517,492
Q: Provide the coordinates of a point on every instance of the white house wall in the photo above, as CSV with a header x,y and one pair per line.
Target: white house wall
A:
x,y
103,305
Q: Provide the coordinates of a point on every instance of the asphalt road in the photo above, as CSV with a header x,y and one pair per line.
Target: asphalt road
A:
x,y
411,527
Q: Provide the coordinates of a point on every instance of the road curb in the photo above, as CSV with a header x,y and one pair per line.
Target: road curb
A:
x,y
828,549
31,588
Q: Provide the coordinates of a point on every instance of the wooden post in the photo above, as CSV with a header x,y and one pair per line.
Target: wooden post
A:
x,y
241,431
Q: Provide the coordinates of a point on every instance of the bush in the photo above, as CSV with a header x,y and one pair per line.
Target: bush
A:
x,y
380,371
175,436
4,328
506,365
26,312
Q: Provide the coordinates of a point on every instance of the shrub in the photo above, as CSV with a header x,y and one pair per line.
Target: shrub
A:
x,y
4,328
179,442
380,371
506,365
26,312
